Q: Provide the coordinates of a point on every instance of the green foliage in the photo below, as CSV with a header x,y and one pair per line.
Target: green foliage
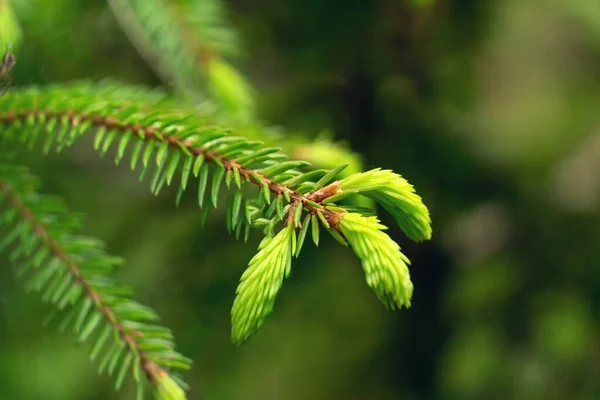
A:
x,y
170,141
72,273
322,152
386,268
261,282
10,31
185,41
395,194
178,142
229,87
488,108
173,143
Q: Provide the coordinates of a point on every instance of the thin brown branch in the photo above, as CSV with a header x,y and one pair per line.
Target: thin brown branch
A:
x,y
150,368
151,133
291,212
324,193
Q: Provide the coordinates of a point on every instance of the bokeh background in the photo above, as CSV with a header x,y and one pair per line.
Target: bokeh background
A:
x,y
489,107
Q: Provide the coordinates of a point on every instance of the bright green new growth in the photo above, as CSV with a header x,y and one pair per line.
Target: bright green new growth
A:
x,y
167,388
386,268
10,31
395,194
261,282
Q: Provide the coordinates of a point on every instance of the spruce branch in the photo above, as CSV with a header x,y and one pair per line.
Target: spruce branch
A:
x,y
180,142
71,273
174,136
148,133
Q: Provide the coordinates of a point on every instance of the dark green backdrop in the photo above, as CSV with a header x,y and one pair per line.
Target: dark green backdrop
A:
x,y
489,107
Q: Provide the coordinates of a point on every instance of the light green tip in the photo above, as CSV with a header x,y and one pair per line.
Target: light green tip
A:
x,y
397,196
260,284
168,389
230,88
10,31
385,267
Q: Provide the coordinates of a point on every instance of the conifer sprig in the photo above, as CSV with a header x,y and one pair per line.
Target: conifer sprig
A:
x,y
176,140
72,273
393,192
179,142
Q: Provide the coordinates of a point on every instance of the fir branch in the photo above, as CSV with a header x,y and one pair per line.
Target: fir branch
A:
x,y
71,271
179,142
76,115
149,133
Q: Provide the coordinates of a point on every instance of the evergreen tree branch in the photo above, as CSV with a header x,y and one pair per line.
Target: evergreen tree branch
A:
x,y
189,139
71,272
179,141
154,135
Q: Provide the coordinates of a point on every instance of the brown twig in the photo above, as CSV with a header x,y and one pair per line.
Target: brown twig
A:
x,y
8,62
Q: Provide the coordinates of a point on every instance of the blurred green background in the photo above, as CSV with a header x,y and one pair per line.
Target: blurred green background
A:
x,y
489,107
